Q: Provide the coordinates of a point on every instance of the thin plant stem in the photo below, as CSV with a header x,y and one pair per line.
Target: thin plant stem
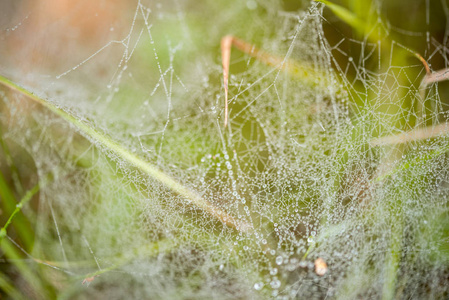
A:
x,y
27,197
301,71
411,136
21,224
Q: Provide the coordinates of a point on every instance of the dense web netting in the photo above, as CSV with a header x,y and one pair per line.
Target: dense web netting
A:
x,y
310,191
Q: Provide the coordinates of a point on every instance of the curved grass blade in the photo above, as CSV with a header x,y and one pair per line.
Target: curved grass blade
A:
x,y
347,16
146,167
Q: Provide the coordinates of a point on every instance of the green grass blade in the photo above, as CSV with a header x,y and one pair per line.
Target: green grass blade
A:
x,y
392,263
346,16
9,288
146,167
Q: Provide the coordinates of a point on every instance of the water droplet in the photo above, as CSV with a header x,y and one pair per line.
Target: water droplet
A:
x,y
258,286
275,284
279,260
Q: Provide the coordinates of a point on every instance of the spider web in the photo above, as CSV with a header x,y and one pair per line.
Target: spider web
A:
x,y
302,160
